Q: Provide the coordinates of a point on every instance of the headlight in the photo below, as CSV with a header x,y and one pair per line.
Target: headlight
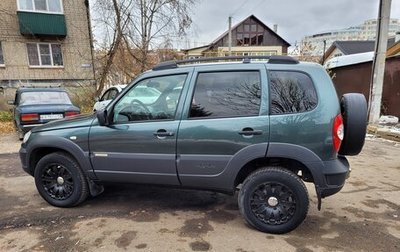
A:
x,y
26,137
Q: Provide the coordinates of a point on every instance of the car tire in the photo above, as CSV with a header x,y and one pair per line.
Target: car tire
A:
x,y
271,192
20,135
354,112
60,180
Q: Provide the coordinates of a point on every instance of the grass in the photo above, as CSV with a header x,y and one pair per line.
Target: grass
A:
x,y
6,127
6,123
6,116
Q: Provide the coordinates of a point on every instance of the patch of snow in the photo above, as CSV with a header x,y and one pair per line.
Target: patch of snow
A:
x,y
388,119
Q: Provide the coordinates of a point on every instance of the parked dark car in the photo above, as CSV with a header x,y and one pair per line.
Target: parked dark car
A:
x,y
37,106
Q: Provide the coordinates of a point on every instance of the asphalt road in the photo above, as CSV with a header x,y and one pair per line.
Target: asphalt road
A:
x,y
364,216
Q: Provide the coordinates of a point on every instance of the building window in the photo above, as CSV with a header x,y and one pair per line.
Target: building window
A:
x,y
1,55
51,6
45,55
249,34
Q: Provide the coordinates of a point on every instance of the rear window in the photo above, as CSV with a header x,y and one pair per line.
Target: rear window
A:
x,y
226,94
291,92
32,98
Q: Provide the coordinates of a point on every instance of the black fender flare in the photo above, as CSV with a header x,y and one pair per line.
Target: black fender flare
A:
x,y
274,150
63,144
241,158
305,156
300,154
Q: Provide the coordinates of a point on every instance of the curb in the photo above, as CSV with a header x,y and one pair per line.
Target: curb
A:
x,y
383,132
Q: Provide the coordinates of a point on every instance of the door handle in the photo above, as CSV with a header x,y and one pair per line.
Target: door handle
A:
x,y
163,133
250,132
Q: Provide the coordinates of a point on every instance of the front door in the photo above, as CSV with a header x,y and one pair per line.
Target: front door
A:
x,y
140,144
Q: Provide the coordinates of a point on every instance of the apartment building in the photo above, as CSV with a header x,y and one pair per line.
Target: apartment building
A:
x,y
45,42
316,43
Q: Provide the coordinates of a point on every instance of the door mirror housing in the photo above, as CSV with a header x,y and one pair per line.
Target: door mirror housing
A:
x,y
97,98
102,117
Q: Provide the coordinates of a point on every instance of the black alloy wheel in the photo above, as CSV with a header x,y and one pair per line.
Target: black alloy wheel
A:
x,y
273,200
57,181
273,203
60,180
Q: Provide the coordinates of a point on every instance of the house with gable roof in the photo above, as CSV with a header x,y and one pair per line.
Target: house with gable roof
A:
x,y
249,37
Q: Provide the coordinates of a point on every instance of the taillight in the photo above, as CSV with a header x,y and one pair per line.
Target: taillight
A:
x,y
29,117
71,113
338,132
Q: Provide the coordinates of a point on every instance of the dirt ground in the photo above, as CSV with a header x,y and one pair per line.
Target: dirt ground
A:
x,y
364,216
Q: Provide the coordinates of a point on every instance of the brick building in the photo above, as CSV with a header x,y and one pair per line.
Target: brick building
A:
x,y
45,42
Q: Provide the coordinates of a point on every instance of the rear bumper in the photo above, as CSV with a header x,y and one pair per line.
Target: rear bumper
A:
x,y
335,173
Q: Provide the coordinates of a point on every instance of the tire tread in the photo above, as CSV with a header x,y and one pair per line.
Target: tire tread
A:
x,y
255,175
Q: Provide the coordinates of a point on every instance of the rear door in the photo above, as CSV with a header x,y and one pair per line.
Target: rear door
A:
x,y
226,111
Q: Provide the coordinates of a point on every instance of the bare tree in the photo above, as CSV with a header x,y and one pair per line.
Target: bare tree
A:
x,y
303,51
135,27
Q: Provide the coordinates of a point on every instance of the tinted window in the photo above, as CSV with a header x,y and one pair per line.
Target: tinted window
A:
x,y
291,92
226,94
150,99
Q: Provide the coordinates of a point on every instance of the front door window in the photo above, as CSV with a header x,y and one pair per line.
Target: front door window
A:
x,y
150,99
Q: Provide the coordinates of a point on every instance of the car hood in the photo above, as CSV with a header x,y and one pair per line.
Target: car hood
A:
x,y
54,108
72,122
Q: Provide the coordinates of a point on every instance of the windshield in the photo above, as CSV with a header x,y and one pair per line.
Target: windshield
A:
x,y
45,97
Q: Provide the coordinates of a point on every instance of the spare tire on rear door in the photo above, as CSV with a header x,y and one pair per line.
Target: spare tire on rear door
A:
x,y
354,113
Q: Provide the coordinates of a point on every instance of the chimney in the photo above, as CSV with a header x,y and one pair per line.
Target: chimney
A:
x,y
397,37
275,28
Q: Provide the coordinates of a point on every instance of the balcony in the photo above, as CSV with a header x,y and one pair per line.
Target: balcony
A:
x,y
42,24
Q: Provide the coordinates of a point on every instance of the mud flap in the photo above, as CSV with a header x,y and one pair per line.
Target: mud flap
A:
x,y
319,197
94,188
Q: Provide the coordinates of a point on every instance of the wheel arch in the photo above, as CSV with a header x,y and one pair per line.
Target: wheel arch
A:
x,y
289,164
292,157
44,145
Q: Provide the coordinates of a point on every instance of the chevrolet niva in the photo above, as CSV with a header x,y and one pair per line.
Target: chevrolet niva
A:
x,y
261,126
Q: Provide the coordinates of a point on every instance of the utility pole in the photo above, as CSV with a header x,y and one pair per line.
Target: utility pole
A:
x,y
378,66
323,53
230,35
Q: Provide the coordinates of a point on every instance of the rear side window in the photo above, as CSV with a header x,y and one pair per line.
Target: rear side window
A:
x,y
291,92
226,94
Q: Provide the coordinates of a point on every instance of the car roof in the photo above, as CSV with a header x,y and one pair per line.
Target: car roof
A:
x,y
26,89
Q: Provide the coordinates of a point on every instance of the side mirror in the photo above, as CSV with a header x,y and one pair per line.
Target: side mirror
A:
x,y
97,98
102,117
10,102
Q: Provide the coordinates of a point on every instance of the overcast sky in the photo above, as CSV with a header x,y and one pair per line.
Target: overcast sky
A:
x,y
295,18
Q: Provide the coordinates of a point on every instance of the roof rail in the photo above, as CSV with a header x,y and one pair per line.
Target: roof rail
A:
x,y
273,59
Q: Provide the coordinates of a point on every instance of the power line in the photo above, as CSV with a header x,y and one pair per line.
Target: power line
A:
x,y
237,9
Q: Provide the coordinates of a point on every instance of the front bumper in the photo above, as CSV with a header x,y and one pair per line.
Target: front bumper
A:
x,y
24,161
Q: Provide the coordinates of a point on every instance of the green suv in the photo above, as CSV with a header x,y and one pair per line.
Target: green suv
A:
x,y
257,125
